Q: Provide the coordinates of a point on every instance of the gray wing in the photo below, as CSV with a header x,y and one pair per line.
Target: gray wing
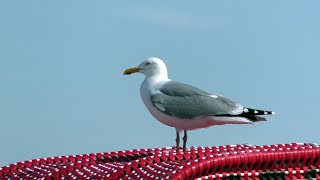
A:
x,y
188,102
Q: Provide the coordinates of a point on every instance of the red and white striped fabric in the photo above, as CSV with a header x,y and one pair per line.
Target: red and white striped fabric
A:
x,y
287,161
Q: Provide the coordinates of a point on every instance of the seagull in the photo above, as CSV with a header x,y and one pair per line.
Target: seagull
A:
x,y
185,107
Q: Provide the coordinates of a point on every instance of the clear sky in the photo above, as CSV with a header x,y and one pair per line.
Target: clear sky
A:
x,y
62,89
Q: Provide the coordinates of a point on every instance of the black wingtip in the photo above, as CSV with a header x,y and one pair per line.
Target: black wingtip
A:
x,y
250,111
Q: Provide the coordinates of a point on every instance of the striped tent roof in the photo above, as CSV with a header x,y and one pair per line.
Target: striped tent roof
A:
x,y
287,161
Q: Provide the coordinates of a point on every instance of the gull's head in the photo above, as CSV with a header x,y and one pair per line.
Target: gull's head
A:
x,y
150,67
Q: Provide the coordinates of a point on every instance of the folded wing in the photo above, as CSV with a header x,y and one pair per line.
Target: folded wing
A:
x,y
188,102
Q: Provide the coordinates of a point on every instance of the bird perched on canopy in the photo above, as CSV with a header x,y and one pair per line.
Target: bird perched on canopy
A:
x,y
186,107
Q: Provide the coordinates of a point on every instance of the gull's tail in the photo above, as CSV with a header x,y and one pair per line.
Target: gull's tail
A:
x,y
252,115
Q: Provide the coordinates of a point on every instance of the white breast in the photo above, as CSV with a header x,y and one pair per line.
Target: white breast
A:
x,y
148,88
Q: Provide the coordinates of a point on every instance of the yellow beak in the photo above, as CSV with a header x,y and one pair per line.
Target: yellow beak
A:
x,y
131,70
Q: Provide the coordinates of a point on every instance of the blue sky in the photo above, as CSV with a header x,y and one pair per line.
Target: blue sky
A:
x,y
63,90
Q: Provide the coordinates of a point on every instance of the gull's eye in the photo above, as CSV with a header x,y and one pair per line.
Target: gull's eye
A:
x,y
148,63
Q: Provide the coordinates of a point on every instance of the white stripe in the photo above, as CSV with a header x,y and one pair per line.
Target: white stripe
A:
x,y
214,96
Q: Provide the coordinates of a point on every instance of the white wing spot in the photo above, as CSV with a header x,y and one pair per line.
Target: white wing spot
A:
x,y
266,112
159,106
245,110
214,96
256,112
